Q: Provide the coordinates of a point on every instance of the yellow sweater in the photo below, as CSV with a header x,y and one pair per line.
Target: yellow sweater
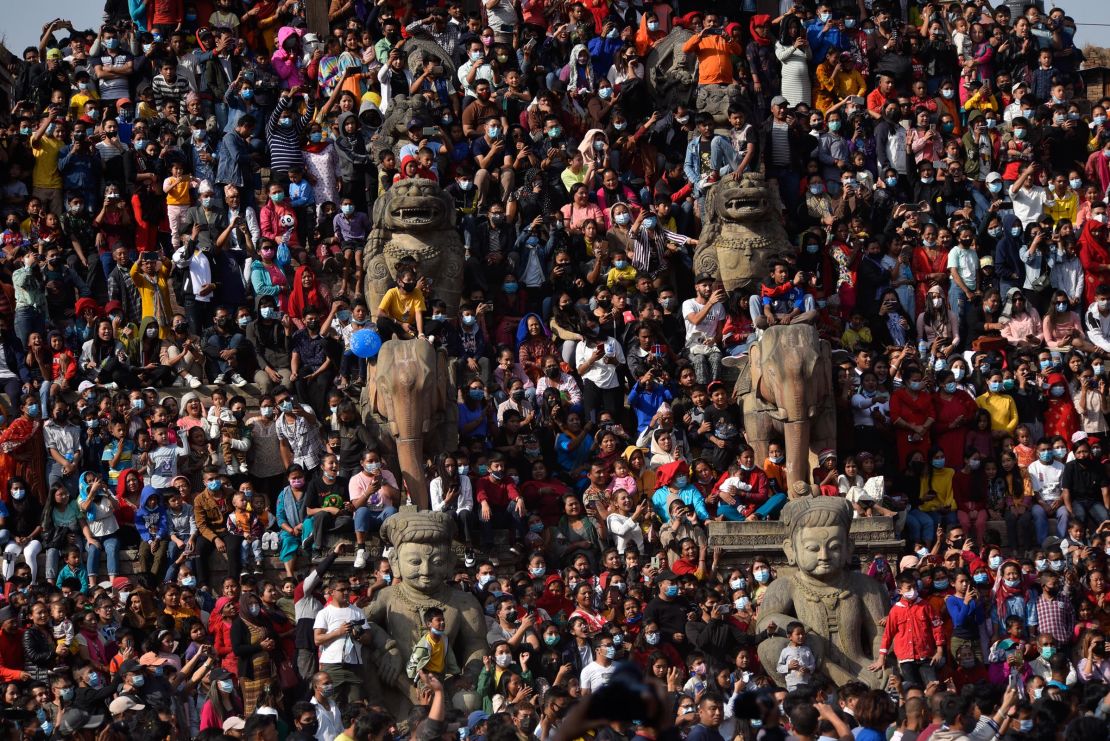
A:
x,y
941,484
1002,409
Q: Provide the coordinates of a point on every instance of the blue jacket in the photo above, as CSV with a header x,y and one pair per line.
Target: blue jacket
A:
x,y
647,402
722,158
602,49
80,170
690,495
233,156
820,43
151,523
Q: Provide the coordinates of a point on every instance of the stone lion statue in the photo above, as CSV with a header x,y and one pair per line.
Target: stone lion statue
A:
x,y
401,110
741,231
416,219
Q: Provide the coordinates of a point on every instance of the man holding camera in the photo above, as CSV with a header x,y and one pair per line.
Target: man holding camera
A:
x,y
339,631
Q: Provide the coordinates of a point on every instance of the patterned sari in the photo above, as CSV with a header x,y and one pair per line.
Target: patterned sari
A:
x,y
23,454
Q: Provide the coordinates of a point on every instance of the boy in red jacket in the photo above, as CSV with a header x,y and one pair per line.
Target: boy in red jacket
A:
x,y
916,633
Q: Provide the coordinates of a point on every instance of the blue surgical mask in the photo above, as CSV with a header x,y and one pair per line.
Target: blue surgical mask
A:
x,y
891,182
213,485
681,481
649,222
994,386
938,463
981,578
950,387
1045,456
671,591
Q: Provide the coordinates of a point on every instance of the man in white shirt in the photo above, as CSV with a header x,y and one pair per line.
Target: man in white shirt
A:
x,y
1045,474
703,316
1028,197
329,721
596,674
338,631
597,359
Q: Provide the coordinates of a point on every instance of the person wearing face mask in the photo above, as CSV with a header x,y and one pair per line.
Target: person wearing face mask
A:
x,y
254,642
914,634
1094,252
1045,475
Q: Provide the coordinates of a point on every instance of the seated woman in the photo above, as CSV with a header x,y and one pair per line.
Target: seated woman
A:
x,y
1063,328
1022,325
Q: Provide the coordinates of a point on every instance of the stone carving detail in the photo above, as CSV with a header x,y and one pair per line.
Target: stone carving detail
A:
x,y
394,127
423,559
672,74
742,232
841,609
786,391
410,386
416,219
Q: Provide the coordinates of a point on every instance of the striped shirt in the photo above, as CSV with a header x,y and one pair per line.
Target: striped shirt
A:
x,y
170,92
285,141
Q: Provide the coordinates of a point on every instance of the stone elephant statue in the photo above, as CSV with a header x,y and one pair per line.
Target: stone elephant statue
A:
x,y
410,387
788,393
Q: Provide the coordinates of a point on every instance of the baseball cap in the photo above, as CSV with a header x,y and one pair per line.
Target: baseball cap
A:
x,y
705,278
779,101
476,717
54,54
151,659
993,177
75,719
122,102
123,705
84,386
234,723
1016,85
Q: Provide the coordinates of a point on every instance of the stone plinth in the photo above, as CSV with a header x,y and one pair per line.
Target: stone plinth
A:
x,y
740,542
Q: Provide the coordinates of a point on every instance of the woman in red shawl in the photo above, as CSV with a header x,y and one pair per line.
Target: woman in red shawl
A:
x,y
1094,253
307,294
1060,416
553,601
23,450
912,414
219,625
955,411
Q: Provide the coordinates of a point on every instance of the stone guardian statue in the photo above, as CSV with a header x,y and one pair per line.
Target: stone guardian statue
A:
x,y
840,609
422,559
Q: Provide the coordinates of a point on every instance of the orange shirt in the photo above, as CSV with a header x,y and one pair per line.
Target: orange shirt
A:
x,y
714,58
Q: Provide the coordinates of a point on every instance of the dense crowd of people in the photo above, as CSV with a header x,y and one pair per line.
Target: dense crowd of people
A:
x,y
186,192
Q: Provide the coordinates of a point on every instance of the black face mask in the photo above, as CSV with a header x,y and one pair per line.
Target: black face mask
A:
x,y
408,286
312,326
221,321
551,373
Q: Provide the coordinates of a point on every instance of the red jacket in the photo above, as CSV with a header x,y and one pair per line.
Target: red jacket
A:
x,y
11,656
497,493
914,630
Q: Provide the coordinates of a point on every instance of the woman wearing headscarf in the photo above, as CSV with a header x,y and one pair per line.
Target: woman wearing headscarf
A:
x,y
23,450
1021,323
764,65
219,627
355,167
308,293
533,342
579,73
252,640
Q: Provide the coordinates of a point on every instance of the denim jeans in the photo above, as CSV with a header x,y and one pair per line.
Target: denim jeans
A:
x,y
1040,522
110,545
920,527
918,672
1090,512
507,518
27,320
369,521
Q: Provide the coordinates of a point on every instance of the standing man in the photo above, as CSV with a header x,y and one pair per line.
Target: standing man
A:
x,y
714,50
338,630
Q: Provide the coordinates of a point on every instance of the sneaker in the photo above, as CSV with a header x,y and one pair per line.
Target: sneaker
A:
x,y
219,379
243,468
111,386
192,380
238,381
387,551
360,559
733,361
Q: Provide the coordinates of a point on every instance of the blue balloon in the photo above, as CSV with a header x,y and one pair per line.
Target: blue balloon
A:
x,y
365,343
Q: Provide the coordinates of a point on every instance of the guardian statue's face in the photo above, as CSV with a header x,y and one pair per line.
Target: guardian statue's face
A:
x,y
422,566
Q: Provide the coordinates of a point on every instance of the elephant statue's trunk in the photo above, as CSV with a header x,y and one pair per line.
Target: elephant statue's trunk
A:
x,y
796,435
410,457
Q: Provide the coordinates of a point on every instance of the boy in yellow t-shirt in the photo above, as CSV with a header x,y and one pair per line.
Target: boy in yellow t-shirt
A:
x,y
401,311
622,271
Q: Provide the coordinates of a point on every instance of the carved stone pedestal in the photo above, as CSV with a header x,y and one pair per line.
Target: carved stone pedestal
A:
x,y
741,542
